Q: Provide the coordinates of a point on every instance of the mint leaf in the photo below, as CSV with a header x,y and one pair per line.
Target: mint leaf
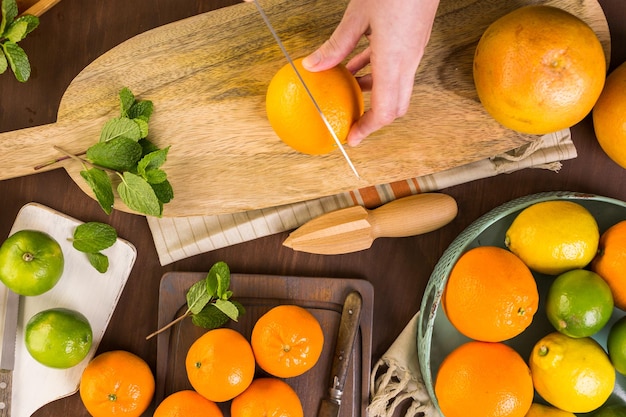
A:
x,y
143,127
93,237
152,160
18,61
227,308
119,154
127,99
218,279
101,185
3,62
163,191
120,127
16,31
32,22
210,317
99,261
9,12
147,146
155,176
197,297
141,110
138,195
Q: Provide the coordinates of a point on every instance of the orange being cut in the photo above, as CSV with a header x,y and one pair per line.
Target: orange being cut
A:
x,y
220,364
539,69
117,383
287,341
490,295
295,119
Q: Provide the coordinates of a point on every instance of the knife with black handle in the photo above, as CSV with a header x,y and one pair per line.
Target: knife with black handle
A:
x,y
348,329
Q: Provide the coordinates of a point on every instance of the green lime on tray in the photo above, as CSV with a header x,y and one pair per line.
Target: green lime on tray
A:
x,y
616,345
579,303
58,337
31,262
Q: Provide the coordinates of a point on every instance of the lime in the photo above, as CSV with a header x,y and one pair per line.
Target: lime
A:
x,y
58,337
31,262
552,237
573,374
579,303
616,345
542,410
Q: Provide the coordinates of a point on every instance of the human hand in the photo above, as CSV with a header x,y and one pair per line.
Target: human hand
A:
x,y
398,31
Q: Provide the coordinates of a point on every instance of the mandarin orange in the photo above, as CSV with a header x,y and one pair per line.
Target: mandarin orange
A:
x,y
539,69
490,295
220,364
187,403
610,261
295,119
117,383
480,379
267,397
287,341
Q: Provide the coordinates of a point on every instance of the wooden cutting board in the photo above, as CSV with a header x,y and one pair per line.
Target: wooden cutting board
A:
x,y
207,76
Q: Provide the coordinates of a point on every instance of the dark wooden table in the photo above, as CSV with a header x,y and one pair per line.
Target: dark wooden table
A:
x,y
75,32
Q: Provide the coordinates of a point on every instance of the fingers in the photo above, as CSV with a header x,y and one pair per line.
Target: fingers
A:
x,y
340,44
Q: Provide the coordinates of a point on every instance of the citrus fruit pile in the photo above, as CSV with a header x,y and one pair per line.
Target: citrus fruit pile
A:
x,y
491,297
286,341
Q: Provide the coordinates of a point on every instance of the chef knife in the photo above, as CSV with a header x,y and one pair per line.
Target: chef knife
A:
x,y
306,88
355,228
348,328
7,361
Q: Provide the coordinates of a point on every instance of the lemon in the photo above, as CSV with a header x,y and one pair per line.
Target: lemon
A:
x,y
58,337
542,410
616,345
579,303
573,374
553,237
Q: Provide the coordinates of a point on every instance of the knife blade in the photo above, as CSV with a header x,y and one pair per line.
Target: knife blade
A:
x,y
306,88
348,329
7,360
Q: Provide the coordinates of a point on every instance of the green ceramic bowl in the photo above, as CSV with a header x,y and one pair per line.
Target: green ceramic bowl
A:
x,y
436,337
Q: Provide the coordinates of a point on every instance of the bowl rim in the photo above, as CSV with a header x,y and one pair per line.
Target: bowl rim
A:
x,y
436,283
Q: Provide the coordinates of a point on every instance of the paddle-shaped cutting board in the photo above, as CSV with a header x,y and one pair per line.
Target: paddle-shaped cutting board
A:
x,y
207,76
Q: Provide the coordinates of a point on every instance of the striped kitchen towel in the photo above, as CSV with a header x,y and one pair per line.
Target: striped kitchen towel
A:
x,y
177,238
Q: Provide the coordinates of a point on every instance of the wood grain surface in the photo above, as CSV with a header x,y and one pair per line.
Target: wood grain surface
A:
x,y
207,77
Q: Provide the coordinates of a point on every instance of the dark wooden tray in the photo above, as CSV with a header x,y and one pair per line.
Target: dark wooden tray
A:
x,y
323,297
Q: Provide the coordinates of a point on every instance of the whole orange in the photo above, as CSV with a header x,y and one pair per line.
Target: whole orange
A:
x,y
293,115
539,69
187,403
117,383
610,261
609,116
287,341
220,364
479,379
490,295
267,397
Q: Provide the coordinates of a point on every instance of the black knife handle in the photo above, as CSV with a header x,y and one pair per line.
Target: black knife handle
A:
x,y
6,385
348,329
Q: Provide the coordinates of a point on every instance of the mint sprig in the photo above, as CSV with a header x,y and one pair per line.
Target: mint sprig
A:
x,y
12,30
92,238
209,302
124,150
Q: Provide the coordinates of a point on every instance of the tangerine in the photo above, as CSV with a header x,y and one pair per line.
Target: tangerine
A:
x,y
287,341
220,364
187,403
609,116
293,115
479,379
267,397
539,69
610,261
117,383
491,295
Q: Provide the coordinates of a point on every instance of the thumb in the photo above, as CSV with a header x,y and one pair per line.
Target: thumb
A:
x,y
340,44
